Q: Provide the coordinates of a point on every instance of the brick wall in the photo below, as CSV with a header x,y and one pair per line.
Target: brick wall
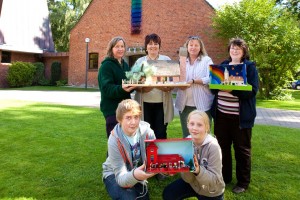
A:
x,y
15,56
62,57
173,20
46,58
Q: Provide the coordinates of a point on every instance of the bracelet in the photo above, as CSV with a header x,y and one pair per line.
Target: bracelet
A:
x,y
193,80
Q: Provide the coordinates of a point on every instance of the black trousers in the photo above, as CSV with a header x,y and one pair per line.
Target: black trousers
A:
x,y
227,131
154,115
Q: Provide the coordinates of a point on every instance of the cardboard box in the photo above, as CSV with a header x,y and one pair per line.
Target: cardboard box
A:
x,y
229,77
169,155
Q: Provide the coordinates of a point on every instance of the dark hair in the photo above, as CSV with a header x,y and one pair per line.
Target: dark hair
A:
x,y
239,43
113,43
152,37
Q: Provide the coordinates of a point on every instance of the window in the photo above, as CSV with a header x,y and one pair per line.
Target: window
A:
x,y
93,61
6,57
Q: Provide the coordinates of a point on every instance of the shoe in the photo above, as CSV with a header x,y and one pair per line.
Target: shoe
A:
x,y
160,177
238,190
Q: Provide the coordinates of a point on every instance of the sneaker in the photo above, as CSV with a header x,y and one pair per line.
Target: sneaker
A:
x,y
238,190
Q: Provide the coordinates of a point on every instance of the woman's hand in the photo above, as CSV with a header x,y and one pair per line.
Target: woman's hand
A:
x,y
140,174
128,88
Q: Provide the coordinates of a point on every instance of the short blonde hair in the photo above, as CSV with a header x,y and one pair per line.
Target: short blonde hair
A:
x,y
127,105
113,43
204,116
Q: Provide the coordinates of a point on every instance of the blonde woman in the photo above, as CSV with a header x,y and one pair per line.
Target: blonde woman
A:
x,y
198,96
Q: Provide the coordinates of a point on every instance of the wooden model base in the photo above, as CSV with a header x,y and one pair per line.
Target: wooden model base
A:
x,y
160,85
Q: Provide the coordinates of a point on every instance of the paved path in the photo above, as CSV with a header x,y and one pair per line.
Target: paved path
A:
x,y
274,117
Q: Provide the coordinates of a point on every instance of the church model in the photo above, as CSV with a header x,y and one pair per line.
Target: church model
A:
x,y
229,77
155,73
169,156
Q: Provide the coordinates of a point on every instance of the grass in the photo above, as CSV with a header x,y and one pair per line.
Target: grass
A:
x,y
55,152
286,105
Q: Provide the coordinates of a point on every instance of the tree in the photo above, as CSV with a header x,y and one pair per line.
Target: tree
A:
x,y
292,6
272,34
64,14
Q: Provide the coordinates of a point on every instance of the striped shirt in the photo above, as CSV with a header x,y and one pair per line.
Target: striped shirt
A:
x,y
227,103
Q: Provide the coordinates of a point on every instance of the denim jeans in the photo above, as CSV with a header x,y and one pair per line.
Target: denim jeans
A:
x,y
138,191
180,189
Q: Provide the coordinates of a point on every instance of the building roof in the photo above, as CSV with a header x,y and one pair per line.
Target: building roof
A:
x,y
25,26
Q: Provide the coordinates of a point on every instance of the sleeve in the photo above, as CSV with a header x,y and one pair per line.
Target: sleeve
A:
x,y
252,79
108,84
211,175
124,178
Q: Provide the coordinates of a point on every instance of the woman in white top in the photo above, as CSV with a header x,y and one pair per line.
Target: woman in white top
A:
x,y
157,103
198,95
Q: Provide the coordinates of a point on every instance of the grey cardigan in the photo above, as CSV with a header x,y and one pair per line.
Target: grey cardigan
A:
x,y
115,164
209,182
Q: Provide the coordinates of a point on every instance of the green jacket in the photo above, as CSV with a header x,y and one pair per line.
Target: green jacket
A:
x,y
110,76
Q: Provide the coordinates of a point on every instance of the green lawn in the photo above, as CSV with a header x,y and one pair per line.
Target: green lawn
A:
x,y
55,152
286,105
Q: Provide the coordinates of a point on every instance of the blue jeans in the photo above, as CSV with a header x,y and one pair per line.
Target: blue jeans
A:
x,y
180,189
138,191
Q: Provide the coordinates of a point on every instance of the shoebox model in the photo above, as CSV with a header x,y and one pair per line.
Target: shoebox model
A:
x,y
158,73
169,155
229,77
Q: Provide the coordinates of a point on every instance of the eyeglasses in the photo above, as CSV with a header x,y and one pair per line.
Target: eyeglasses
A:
x,y
194,37
236,49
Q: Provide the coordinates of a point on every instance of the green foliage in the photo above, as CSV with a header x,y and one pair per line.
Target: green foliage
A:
x,y
272,35
55,72
281,95
61,82
39,73
64,15
20,74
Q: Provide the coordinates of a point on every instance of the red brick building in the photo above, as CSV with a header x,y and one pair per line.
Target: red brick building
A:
x,y
25,35
172,20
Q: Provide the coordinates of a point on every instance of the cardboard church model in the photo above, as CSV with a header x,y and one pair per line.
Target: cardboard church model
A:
x,y
169,155
229,77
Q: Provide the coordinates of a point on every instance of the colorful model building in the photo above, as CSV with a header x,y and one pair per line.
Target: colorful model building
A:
x,y
229,77
169,156
155,72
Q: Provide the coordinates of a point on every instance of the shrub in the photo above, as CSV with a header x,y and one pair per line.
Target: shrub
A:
x,y
39,73
20,74
61,82
55,72
281,95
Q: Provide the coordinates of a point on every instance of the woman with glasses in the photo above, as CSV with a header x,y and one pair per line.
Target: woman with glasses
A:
x,y
110,76
198,95
157,103
234,113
